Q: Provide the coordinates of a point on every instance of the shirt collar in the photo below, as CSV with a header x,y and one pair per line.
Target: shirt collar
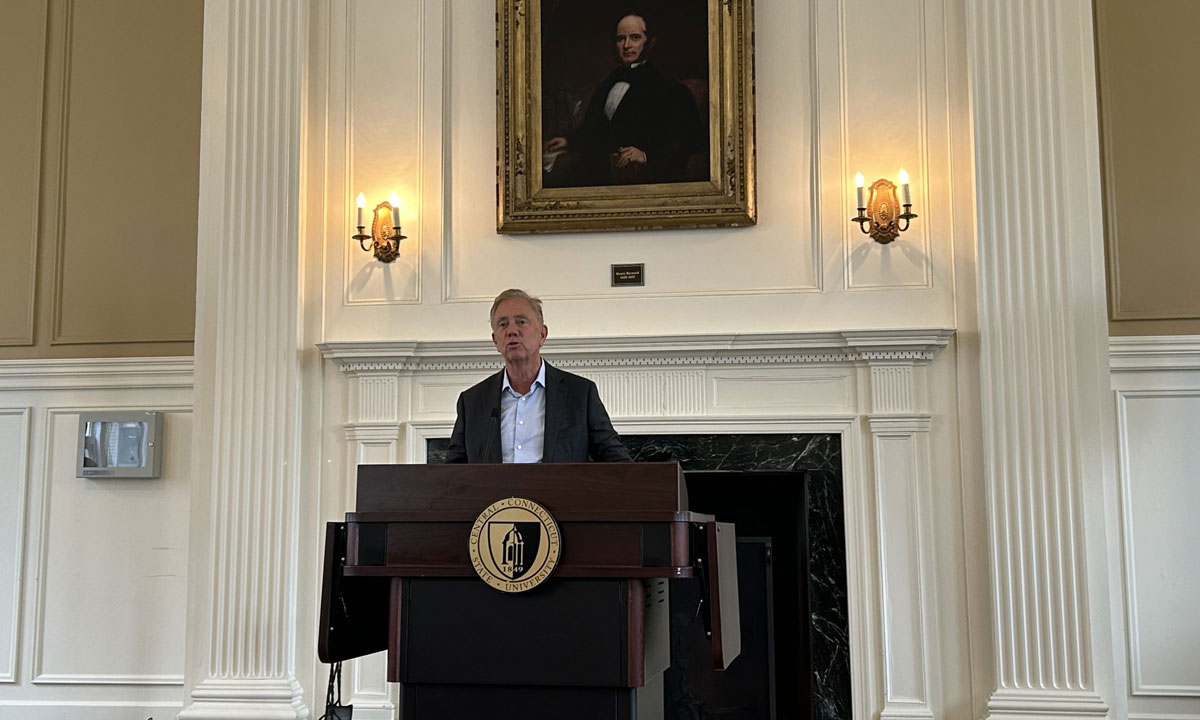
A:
x,y
539,380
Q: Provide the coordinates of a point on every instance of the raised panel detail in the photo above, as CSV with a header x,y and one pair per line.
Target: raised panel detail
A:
x,y
1149,130
650,393
126,245
22,75
122,544
386,132
1158,461
436,398
746,391
14,456
884,96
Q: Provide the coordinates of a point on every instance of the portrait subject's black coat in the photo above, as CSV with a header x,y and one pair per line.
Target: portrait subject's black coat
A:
x,y
657,116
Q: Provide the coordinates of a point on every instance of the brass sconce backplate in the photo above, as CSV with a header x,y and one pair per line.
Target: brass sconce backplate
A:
x,y
883,208
385,233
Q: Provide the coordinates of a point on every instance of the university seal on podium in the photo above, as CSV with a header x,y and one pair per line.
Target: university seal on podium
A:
x,y
514,545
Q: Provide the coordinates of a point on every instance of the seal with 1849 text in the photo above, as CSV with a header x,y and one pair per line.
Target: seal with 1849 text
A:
x,y
514,545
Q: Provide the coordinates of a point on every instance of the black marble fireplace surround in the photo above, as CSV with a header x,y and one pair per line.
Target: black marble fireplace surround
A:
x,y
786,487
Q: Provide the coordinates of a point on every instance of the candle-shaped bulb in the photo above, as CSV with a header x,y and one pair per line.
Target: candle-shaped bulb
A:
x,y
904,186
394,201
361,202
858,181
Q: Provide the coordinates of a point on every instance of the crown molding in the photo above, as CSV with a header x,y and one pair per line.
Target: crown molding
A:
x,y
97,373
1154,352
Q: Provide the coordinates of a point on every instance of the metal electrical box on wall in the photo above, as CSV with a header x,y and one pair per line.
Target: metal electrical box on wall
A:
x,y
119,444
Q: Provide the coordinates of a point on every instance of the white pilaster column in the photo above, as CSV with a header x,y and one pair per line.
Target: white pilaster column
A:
x,y
373,435
901,466
1043,332
243,620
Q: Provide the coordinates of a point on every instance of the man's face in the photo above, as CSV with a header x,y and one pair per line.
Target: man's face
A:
x,y
516,332
631,39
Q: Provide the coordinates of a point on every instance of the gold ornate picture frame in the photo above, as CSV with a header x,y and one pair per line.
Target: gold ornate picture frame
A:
x,y
556,62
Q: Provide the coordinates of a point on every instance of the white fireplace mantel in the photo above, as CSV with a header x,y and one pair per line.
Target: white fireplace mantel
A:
x,y
848,347
868,386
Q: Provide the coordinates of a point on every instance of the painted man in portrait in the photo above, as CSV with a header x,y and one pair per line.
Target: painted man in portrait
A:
x,y
640,126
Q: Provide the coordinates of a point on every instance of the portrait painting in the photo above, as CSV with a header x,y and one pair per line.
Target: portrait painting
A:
x,y
614,115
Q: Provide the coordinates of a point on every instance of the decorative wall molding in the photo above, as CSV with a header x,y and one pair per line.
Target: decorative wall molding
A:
x,y
1154,352
848,347
1147,370
367,115
43,552
855,245
892,389
96,373
660,392
33,176
19,473
38,706
101,679
1042,325
244,626
377,398
373,432
1064,703
1130,448
904,426
70,44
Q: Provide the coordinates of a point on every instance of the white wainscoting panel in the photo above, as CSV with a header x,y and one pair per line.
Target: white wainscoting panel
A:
x,y
1160,461
111,612
1156,391
14,488
93,586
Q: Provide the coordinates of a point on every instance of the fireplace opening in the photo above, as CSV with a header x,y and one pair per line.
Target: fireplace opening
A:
x,y
784,493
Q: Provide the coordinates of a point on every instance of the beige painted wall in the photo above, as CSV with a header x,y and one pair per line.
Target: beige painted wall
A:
x,y
99,158
1147,55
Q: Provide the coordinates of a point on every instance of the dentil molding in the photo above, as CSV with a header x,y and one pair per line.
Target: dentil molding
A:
x,y
906,346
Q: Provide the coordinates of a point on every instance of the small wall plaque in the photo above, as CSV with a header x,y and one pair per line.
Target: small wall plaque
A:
x,y
629,275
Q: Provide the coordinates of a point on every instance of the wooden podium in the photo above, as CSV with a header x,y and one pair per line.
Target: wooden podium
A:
x,y
589,642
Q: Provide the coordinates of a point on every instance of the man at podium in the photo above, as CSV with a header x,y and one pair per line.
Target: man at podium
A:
x,y
530,411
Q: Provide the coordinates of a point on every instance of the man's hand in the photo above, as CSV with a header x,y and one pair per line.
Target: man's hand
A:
x,y
554,144
629,154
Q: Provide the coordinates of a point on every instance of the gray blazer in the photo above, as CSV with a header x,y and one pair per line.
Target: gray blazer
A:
x,y
577,425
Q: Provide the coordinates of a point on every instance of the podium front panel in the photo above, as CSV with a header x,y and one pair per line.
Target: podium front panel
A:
x,y
563,633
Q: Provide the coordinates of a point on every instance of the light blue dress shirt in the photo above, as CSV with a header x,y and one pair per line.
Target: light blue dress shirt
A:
x,y
523,421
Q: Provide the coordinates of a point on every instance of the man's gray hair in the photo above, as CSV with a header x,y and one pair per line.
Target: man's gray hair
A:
x,y
515,293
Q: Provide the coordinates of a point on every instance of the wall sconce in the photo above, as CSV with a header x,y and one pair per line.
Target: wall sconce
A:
x,y
878,217
385,234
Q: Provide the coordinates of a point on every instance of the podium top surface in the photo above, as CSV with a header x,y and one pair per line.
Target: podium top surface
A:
x,y
455,492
